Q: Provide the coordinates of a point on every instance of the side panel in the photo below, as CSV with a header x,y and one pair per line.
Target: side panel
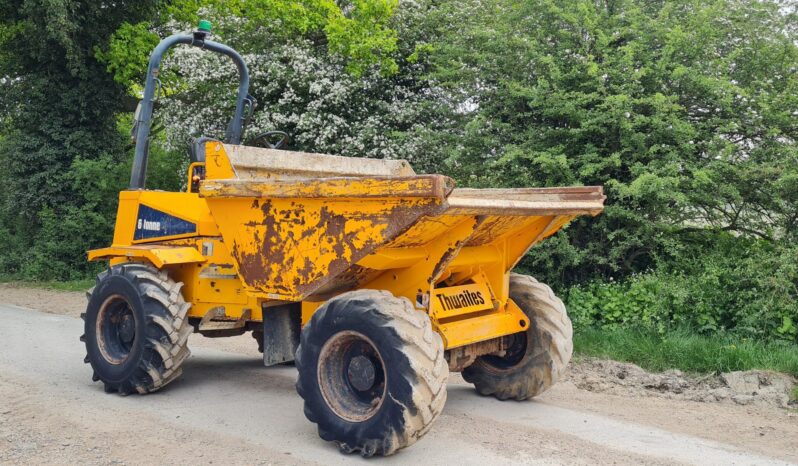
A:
x,y
288,248
181,237
214,283
157,216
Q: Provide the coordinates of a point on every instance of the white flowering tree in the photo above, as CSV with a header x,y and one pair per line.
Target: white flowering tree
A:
x,y
322,90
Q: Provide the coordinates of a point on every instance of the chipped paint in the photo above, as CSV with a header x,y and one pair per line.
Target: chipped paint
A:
x,y
293,247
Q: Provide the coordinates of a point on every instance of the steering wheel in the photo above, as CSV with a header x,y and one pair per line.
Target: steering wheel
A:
x,y
270,140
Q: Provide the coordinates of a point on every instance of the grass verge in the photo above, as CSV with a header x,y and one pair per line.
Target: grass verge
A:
x,y
72,285
686,351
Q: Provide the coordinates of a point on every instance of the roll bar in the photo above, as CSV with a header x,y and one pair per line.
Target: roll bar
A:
x,y
143,120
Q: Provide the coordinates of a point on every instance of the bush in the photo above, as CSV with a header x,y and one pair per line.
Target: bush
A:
x,y
54,246
745,287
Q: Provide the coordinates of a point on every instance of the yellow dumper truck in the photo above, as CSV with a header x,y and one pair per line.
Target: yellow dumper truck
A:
x,y
376,281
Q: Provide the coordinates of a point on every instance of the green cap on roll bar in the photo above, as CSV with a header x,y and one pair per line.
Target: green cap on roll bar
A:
x,y
204,25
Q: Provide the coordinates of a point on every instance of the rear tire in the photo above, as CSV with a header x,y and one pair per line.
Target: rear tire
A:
x,y
136,330
258,336
372,372
538,356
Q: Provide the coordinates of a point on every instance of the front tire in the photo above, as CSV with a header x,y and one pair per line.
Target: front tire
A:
x,y
538,357
136,330
372,372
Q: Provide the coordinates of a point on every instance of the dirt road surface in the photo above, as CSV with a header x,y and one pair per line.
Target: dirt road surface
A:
x,y
229,409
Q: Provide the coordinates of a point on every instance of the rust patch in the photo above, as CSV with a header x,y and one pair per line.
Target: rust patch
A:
x,y
221,266
463,356
275,259
305,272
401,217
494,227
342,244
451,252
347,280
254,267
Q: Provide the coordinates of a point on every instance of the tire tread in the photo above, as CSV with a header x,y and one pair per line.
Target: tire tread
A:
x,y
551,334
165,314
421,345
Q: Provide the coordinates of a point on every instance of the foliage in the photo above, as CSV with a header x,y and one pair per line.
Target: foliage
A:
x,y
305,91
685,350
683,110
127,54
355,31
363,35
59,116
738,286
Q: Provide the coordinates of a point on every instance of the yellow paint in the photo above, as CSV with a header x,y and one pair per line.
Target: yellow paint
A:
x,y
215,282
458,300
471,330
275,239
159,256
308,308
217,164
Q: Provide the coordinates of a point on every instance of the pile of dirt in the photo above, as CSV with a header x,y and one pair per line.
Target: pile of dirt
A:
x,y
761,388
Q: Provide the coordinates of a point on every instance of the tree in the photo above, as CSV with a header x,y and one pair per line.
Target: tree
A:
x,y
684,110
357,30
69,74
327,96
60,107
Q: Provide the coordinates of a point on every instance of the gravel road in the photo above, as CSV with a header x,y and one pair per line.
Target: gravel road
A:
x,y
229,409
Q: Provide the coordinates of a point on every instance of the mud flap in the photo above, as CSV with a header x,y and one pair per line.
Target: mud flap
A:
x,y
281,326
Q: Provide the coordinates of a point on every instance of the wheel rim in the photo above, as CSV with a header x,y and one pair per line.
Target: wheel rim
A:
x,y
116,329
351,375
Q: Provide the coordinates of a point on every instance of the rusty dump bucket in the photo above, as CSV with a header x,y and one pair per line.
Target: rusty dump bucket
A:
x,y
305,226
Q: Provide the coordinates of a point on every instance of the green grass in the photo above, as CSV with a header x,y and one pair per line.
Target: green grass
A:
x,y
72,285
686,351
